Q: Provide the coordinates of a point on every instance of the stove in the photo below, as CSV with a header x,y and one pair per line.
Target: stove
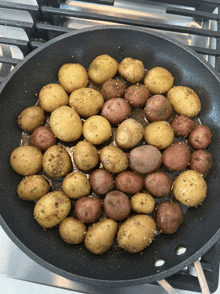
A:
x,y
27,24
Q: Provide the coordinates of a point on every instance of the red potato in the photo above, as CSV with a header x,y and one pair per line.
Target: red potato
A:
x,y
101,181
158,108
115,110
182,125
137,95
43,138
113,88
200,137
129,182
201,162
88,209
158,184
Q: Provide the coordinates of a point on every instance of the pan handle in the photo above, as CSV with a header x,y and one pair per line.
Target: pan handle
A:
x,y
201,277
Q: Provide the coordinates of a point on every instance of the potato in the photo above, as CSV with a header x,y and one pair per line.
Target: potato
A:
x,y
66,124
200,137
184,100
137,95
33,187
88,209
72,76
100,236
158,184
182,125
53,96
43,138
113,159
97,129
142,203
102,68
158,80
76,185
129,134
201,162
26,160
131,70
190,188
136,233
56,162
159,134
85,156
51,209
31,118
158,108
86,101
101,181
113,88
129,182
72,230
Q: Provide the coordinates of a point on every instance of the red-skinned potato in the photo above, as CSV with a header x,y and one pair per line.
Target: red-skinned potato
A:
x,y
129,182
158,184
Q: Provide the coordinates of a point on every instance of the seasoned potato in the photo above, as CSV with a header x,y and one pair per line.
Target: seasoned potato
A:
x,y
53,96
33,187
56,162
85,155
190,188
101,181
88,209
143,203
129,182
72,230
86,101
201,162
184,100
72,76
158,108
113,88
131,70
31,118
76,185
51,209
43,138
137,95
115,110
145,159
100,236
66,124
129,134
182,125
97,129
159,134
113,159
26,160
200,137
158,184
102,68
158,80
136,233
117,205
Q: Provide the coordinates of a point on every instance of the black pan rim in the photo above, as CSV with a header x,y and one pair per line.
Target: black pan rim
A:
x,y
96,282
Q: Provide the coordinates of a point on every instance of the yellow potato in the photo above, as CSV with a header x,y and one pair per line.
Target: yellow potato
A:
x,y
51,209
100,236
136,233
26,160
190,188
102,68
113,159
158,80
85,156
159,134
72,230
86,101
143,203
184,100
31,118
72,76
76,185
66,124
53,96
131,70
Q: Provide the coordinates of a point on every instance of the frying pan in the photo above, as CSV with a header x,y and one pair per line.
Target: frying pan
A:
x,y
116,267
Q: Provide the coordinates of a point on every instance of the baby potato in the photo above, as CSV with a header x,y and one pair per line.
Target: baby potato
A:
x,y
129,182
113,159
190,188
113,88
159,134
85,156
201,161
184,100
131,70
43,138
51,209
53,96
102,68
72,76
158,184
129,134
100,236
76,185
101,181
26,160
136,233
143,203
56,162
31,118
66,124
72,230
158,80
33,187
200,137
137,95
86,101
97,129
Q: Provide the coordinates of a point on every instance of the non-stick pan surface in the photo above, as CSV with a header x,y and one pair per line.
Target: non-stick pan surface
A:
x,y
200,229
